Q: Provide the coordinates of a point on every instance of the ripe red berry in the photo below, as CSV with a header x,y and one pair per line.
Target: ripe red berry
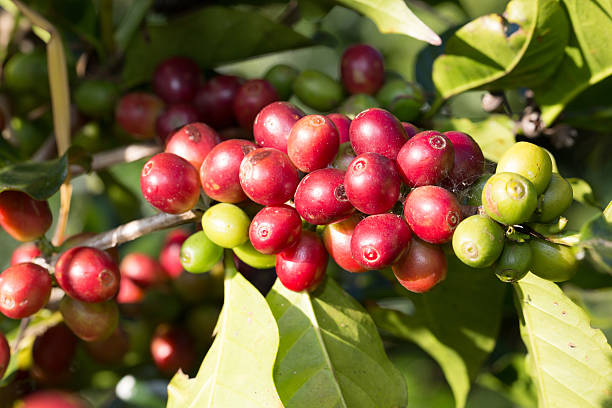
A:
x,y
313,143
220,172
362,69
343,124
53,353
23,217
193,142
421,268
5,354
176,79
137,112
337,241
214,101
321,199
90,321
433,213
169,183
169,257
172,348
129,292
87,274
24,290
110,350
252,96
274,229
268,177
25,253
379,240
302,266
142,269
426,159
468,160
410,129
53,399
377,131
172,118
273,124
372,183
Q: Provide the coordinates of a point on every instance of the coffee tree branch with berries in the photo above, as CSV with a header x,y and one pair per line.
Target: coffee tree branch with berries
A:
x,y
296,205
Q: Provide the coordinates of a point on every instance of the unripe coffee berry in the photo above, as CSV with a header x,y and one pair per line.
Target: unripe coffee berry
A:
x,y
530,161
478,241
509,198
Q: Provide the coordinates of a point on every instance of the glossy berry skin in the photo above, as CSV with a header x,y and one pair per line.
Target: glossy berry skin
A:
x,y
478,241
199,254
170,184
552,261
313,143
514,262
23,217
530,161
110,350
321,199
302,266
172,348
176,79
372,183
509,198
90,321
432,213
137,112
426,159
172,118
268,177
410,129
193,142
337,241
468,160
557,198
214,101
87,274
226,225
5,354
169,257
380,240
53,399
377,131
24,290
252,96
275,228
273,124
25,253
252,258
52,354
421,268
343,123
220,172
362,69
281,76
130,292
142,269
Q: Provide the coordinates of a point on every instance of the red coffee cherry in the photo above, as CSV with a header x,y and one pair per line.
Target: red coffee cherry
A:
x,y
53,353
410,129
24,290
53,399
5,354
302,266
220,172
172,348
362,69
169,257
433,213
468,162
25,253
321,199
421,268
176,79
193,142
377,131
379,240
426,159
313,143
337,241
90,321
172,118
268,177
343,124
23,217
273,124
169,183
129,292
274,229
137,112
214,101
252,96
141,269
87,274
110,350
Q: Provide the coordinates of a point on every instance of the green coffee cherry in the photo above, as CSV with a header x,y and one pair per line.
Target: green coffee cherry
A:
x,y
514,262
509,198
281,77
27,72
402,98
199,254
530,161
355,104
318,90
96,97
474,196
551,261
478,241
226,225
555,200
555,169
252,257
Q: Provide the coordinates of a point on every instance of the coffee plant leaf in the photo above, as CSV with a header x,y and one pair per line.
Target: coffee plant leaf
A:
x,y
596,239
330,353
40,180
570,362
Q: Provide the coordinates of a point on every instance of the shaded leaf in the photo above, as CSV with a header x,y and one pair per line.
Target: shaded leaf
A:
x,y
330,353
237,370
39,180
132,16
456,322
597,303
596,238
569,361
519,389
583,192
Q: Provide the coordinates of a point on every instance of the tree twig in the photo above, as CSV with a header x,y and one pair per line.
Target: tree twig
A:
x,y
23,325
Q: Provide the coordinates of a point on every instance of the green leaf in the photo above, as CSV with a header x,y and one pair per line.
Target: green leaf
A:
x,y
522,48
132,14
330,353
596,238
456,322
583,192
597,303
211,36
587,59
237,370
509,378
569,361
39,180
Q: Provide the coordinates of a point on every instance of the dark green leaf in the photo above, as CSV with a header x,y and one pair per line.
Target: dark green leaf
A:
x,y
597,303
596,238
39,180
